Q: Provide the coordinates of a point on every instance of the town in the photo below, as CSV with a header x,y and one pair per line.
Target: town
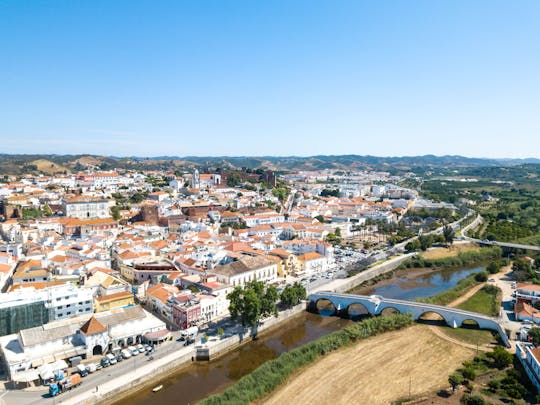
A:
x,y
97,262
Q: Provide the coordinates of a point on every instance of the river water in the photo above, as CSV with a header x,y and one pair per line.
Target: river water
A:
x,y
199,380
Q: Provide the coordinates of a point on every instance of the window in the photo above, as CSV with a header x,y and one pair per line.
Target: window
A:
x,y
68,313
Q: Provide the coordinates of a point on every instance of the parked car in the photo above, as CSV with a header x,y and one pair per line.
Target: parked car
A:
x,y
140,348
126,354
119,358
133,350
82,370
111,358
91,368
105,362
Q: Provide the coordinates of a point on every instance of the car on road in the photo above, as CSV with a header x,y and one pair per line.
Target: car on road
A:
x,y
491,280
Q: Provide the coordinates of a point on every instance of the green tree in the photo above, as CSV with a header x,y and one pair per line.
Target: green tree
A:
x,y
115,211
338,232
220,331
481,277
501,358
293,294
534,334
493,267
449,235
252,302
47,210
468,399
455,379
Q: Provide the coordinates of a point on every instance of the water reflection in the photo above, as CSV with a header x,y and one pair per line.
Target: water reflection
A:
x,y
202,379
411,286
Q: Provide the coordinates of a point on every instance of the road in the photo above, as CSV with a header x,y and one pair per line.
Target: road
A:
x,y
479,220
40,395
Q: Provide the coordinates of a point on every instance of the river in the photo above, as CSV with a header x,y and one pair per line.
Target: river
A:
x,y
199,380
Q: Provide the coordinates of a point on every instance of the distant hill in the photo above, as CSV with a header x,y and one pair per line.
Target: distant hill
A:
x,y
47,167
49,164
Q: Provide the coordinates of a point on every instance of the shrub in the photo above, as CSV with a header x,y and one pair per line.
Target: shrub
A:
x,y
481,277
473,400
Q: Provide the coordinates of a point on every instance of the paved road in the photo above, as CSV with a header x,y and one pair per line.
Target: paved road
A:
x,y
40,394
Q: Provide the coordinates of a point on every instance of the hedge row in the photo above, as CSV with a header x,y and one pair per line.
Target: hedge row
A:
x,y
267,377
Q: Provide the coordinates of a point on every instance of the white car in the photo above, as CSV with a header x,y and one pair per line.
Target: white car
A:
x,y
133,350
126,354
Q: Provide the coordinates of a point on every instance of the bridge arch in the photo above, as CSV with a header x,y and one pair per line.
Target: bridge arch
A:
x,y
357,310
432,317
470,324
389,311
325,307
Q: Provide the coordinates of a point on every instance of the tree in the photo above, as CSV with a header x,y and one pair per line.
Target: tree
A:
x,y
448,234
220,331
252,302
320,218
293,294
493,267
115,210
501,358
481,277
338,232
534,334
455,379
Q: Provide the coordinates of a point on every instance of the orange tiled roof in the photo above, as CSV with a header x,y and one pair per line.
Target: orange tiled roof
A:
x,y
92,327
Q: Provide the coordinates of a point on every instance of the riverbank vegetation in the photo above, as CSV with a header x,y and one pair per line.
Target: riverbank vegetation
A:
x,y
462,259
487,301
275,372
453,293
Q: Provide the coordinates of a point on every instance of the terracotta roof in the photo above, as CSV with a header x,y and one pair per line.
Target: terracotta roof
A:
x,y
310,256
92,327
528,287
115,296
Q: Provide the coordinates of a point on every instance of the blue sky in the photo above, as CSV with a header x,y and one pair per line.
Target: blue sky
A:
x,y
270,77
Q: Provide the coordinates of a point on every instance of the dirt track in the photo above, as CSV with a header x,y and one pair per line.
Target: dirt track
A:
x,y
376,371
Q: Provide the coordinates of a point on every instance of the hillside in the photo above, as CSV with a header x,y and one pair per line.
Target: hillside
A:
x,y
48,164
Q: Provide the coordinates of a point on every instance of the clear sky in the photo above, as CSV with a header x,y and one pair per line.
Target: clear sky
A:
x,y
231,77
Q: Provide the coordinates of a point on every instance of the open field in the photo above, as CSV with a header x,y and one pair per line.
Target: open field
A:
x,y
442,252
377,370
482,302
481,337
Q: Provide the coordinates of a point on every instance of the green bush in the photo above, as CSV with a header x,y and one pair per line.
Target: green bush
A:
x,y
481,277
273,373
468,399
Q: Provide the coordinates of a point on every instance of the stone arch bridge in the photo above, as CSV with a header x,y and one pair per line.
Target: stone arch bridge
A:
x,y
375,305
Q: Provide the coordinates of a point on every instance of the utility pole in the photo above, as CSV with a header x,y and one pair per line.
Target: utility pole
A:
x,y
410,383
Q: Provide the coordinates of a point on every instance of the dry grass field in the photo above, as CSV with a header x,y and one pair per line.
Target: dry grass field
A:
x,y
376,371
46,166
441,252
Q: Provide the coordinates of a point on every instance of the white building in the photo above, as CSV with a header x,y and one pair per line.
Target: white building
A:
x,y
244,269
86,207
86,335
